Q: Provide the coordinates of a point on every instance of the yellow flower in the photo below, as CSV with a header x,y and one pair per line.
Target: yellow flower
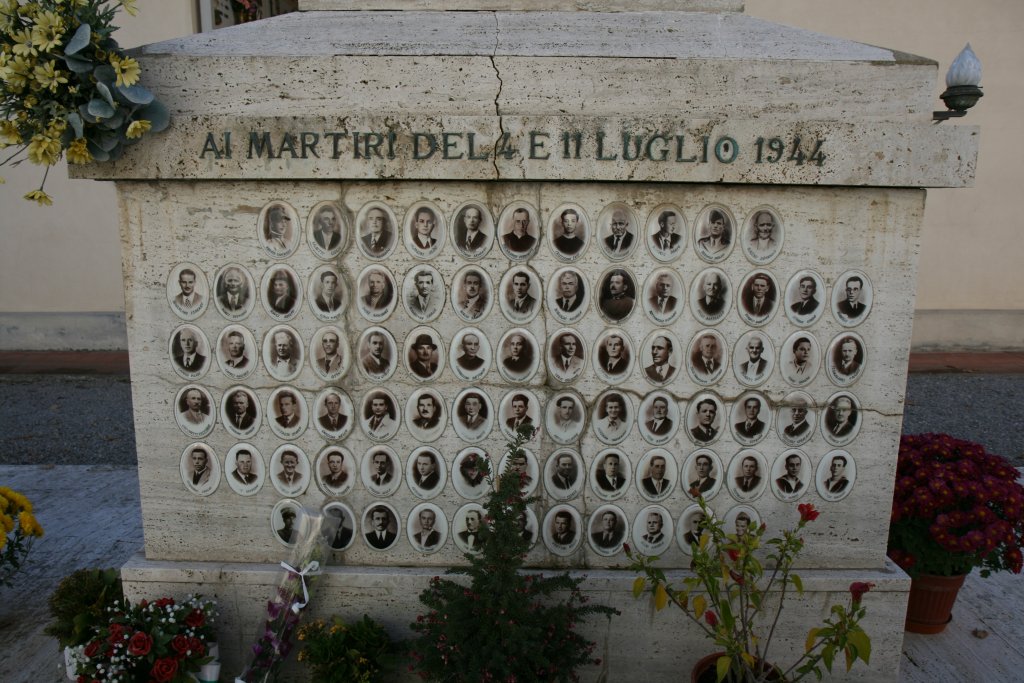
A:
x,y
29,525
78,152
39,197
56,127
43,150
48,30
7,522
23,43
129,7
16,73
9,134
127,70
136,129
3,541
48,77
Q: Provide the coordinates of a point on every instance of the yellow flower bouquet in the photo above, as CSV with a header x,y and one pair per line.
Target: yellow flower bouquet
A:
x,y
20,531
66,87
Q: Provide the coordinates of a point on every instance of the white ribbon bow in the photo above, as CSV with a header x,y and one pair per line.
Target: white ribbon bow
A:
x,y
313,567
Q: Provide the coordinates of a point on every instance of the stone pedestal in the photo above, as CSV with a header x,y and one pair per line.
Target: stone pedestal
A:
x,y
703,120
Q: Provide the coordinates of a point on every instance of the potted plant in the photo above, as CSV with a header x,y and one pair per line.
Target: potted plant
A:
x,y
78,606
503,624
737,603
164,641
344,653
956,507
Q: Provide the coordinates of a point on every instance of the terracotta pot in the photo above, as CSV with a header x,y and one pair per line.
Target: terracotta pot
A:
x,y
930,606
704,671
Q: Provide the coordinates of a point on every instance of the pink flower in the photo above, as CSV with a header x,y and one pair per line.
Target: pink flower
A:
x,y
858,589
807,512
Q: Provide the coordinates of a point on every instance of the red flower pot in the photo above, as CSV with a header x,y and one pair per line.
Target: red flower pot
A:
x,y
930,606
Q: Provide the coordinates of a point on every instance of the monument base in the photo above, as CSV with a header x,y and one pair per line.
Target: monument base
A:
x,y
637,645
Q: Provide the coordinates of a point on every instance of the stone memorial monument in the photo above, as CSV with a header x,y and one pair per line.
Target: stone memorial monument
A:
x,y
681,241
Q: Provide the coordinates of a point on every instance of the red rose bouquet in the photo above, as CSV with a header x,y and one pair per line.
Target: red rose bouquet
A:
x,y
163,641
956,507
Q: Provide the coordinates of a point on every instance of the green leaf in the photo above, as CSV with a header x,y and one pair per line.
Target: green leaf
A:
x,y
860,640
135,94
722,667
104,92
79,66
851,657
76,123
827,655
100,109
105,74
638,586
79,40
98,154
797,583
812,635
156,114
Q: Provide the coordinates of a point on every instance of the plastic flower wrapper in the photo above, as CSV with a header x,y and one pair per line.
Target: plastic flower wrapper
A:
x,y
276,636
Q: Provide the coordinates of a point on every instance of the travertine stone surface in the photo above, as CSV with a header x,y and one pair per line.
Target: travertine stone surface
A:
x,y
663,644
827,230
528,5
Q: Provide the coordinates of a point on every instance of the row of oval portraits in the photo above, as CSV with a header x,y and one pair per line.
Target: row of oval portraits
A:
x,y
518,356
568,229
563,529
658,418
611,475
568,295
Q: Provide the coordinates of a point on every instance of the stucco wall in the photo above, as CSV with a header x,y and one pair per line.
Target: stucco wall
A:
x,y
65,259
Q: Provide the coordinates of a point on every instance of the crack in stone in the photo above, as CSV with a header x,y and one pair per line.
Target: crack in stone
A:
x,y
497,96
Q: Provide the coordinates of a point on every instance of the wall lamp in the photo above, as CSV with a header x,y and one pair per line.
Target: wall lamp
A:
x,y
962,89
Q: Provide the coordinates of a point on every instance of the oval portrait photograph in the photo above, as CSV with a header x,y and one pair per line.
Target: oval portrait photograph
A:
x,y
425,415
339,525
568,232
287,413
841,419
472,294
616,295
703,473
518,355
666,232
664,296
189,351
762,235
653,530
523,463
234,292
200,469
381,526
612,417
617,229
336,470
607,529
753,358
690,528
613,358
567,355
473,415
468,529
852,297
470,470
187,291
378,233
237,353
425,230
741,520
610,474
279,229
283,353
714,233
282,292
706,357
658,418
844,361
240,412
748,475
327,231
564,474
289,470
329,353
520,294
800,358
423,293
469,355
519,231
375,293
333,414
519,409
657,473
751,418
194,411
791,473
804,295
244,468
424,354
426,472
427,528
568,296
327,294
797,418
379,415
378,353
381,471
285,519
565,417
710,296
705,418
660,357
836,475
758,298
473,230
562,530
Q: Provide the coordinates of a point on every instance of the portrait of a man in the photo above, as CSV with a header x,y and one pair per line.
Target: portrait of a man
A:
x,y
571,291
609,477
469,359
380,535
336,477
841,417
328,300
424,301
376,354
706,357
706,412
790,481
332,420
189,299
241,412
762,238
425,474
661,301
851,308
653,526
703,468
570,233
474,534
281,297
661,369
566,357
563,528
666,240
656,483
329,359
753,369
196,407
616,299
284,358
659,423
751,427
565,473
565,418
712,296
798,426
613,421
423,358
377,234
473,295
381,420
427,537
288,411
613,355
694,528
716,236
200,469
428,412
423,224
245,472
186,351
327,228
278,231
235,353
519,354
759,296
806,297
608,532
287,528
337,532
748,478
620,241
520,406
520,303
470,237
837,481
382,470
289,476
518,240
846,358
233,294
380,292
472,412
